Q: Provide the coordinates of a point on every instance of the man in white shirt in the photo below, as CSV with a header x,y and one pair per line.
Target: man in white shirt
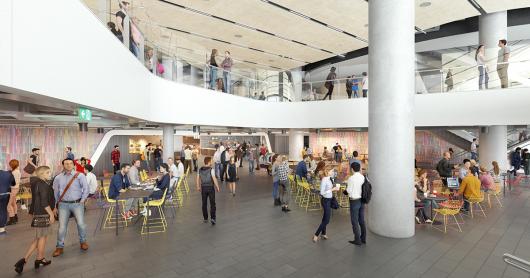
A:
x,y
474,149
364,84
188,153
217,160
354,189
172,172
91,180
502,62
134,176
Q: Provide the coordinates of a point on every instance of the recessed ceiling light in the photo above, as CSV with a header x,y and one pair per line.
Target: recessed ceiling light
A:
x,y
238,36
425,4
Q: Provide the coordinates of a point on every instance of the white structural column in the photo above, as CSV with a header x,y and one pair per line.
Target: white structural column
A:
x,y
492,28
297,75
391,117
180,71
167,62
493,142
193,75
168,141
296,143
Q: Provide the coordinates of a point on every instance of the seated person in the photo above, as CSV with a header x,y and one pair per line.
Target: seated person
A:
x,y
80,164
301,168
474,167
423,188
470,188
134,174
462,173
162,182
421,208
91,180
118,184
486,180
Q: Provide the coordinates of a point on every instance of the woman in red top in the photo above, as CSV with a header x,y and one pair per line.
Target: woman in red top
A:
x,y
80,164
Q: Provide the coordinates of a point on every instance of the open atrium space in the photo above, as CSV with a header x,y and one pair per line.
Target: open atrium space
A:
x,y
222,138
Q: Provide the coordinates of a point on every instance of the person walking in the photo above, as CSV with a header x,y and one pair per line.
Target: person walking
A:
x,y
231,175
207,185
354,190
7,180
42,206
158,157
68,153
217,160
225,158
256,156
34,159
445,168
326,192
502,62
227,68
188,155
12,204
115,158
364,84
213,69
483,77
195,157
474,149
285,188
71,191
330,79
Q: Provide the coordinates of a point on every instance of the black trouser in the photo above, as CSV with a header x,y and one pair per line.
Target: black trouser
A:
x,y
326,206
195,165
116,167
187,164
357,220
223,174
349,92
208,193
330,92
4,200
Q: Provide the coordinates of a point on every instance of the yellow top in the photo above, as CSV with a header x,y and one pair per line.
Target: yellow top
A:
x,y
470,187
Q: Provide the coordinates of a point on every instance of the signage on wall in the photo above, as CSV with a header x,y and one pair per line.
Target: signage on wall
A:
x,y
84,114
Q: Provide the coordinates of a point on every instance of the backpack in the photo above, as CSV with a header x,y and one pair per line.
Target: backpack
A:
x,y
223,157
366,193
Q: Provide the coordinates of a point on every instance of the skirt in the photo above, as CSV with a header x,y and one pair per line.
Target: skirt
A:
x,y
42,231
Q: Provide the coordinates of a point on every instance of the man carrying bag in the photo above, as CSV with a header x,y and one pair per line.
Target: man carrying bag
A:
x,y
71,191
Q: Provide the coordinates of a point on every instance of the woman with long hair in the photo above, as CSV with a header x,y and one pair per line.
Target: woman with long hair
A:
x,y
12,205
482,67
231,173
42,205
326,192
496,171
213,69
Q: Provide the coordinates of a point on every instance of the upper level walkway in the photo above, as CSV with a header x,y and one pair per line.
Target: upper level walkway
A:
x,y
66,54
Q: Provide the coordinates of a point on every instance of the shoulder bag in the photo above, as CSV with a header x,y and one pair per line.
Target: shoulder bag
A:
x,y
30,169
64,192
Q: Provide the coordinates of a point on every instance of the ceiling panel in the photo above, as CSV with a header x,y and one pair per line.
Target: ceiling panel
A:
x,y
491,6
264,16
431,13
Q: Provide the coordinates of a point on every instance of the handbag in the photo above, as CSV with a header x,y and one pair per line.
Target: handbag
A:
x,y
334,203
30,169
64,192
40,221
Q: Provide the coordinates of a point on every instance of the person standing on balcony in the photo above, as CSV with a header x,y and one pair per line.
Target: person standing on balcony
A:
x,y
121,15
227,68
355,86
474,154
482,68
349,86
364,84
329,82
213,69
449,81
502,63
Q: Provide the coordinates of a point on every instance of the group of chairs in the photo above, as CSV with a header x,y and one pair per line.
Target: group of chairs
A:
x,y
450,212
172,199
308,198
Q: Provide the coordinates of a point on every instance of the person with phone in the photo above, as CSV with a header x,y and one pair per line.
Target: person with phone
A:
x,y
326,191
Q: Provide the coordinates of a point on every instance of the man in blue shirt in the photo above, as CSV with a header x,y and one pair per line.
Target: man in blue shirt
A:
x,y
69,153
119,183
301,168
72,202
6,181
354,159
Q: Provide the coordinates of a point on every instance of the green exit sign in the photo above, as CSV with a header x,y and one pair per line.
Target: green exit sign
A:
x,y
84,114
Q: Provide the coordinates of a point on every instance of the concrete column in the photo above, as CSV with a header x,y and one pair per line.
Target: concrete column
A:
x,y
168,68
155,60
297,75
492,144
391,115
296,143
280,86
193,75
492,28
168,141
179,71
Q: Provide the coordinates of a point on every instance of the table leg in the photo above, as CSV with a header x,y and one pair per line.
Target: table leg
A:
x,y
147,215
116,213
431,209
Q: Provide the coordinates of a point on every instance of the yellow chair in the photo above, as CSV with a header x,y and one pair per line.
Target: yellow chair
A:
x,y
311,198
159,224
178,196
448,209
24,195
496,192
143,176
185,181
475,201
110,217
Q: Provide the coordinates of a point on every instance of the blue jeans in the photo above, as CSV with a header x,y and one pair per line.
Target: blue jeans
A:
x,y
213,78
64,216
326,206
357,220
158,161
251,165
355,94
226,81
218,169
474,155
275,187
483,77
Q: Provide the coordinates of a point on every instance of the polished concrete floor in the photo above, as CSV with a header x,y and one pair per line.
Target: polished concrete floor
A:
x,y
255,239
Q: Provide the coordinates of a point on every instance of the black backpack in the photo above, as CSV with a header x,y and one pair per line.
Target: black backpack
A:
x,y
223,157
366,193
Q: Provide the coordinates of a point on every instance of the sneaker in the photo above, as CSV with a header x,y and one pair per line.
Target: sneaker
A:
x,y
23,206
205,221
418,220
213,222
428,221
3,233
355,242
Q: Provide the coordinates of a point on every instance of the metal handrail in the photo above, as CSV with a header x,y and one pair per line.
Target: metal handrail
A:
x,y
516,262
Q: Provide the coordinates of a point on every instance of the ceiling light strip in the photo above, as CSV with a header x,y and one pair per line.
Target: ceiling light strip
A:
x,y
240,24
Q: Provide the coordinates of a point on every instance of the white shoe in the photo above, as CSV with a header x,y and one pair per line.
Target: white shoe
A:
x,y
428,221
418,220
23,207
145,212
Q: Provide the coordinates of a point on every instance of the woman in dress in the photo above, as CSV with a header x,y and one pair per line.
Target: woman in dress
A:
x,y
326,193
42,205
231,173
12,205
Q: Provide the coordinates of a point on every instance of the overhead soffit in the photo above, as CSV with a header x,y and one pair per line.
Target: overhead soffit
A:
x,y
271,46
